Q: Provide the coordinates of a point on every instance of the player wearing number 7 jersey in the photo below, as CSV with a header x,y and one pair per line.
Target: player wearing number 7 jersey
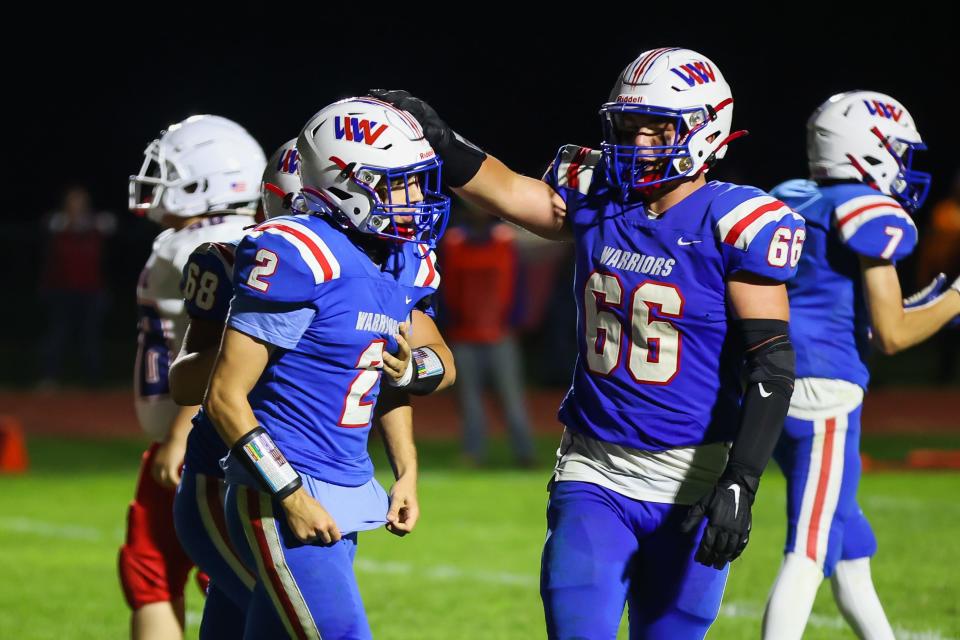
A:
x,y
857,207
318,299
679,291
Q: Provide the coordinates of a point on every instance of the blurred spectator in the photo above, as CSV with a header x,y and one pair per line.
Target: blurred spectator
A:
x,y
479,266
72,286
940,252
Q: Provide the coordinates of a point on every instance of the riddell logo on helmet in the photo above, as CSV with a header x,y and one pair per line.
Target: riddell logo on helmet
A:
x,y
355,130
883,110
623,98
427,154
696,73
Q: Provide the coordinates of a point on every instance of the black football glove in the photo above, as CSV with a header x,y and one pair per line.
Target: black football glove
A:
x,y
727,510
461,158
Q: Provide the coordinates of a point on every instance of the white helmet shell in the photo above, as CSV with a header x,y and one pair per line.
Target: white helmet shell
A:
x,y
281,180
353,152
202,164
668,83
871,137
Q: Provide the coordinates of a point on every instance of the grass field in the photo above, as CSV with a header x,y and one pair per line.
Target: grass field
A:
x,y
470,570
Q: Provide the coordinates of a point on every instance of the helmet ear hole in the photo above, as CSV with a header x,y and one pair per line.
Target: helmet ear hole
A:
x,y
872,160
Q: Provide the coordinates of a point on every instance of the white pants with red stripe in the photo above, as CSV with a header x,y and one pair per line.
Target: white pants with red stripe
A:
x,y
819,453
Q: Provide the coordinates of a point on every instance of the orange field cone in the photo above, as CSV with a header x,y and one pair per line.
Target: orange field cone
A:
x,y
13,446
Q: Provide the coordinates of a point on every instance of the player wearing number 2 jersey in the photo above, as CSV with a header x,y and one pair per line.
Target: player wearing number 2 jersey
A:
x,y
679,291
318,302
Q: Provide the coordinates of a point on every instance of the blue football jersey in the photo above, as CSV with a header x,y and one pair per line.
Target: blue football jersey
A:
x,y
301,284
829,322
207,287
658,365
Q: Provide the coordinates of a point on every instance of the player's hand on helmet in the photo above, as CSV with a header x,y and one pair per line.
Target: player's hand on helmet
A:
x,y
436,131
395,365
308,520
404,506
168,462
461,158
727,509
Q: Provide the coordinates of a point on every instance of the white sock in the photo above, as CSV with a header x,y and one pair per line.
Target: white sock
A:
x,y
858,601
791,598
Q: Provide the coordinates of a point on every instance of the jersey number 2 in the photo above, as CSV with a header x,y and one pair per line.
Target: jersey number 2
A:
x,y
357,411
266,266
653,354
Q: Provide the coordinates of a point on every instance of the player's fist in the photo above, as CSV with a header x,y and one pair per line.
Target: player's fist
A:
x,y
727,508
167,463
308,520
399,366
404,507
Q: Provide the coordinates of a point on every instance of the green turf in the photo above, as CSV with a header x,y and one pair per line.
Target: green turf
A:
x,y
470,569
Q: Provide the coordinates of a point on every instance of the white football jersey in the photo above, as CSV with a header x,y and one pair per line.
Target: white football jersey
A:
x,y
161,316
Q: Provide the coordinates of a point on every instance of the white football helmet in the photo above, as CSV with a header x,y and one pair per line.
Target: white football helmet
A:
x,y
670,83
355,153
281,180
202,164
870,137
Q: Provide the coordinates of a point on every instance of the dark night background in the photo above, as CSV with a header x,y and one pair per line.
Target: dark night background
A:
x,y
83,98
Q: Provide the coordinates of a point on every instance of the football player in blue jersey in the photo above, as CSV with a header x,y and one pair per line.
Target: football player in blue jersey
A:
x,y
679,288
207,287
319,299
857,206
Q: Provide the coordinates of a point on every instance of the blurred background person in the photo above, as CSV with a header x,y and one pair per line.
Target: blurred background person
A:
x,y
480,269
940,253
72,287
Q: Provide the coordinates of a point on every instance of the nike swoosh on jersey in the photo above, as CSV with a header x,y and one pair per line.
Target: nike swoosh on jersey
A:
x,y
763,392
688,242
407,300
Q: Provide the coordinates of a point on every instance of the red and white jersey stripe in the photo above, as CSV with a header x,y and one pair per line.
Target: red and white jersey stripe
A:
x,y
742,224
427,274
576,167
855,213
311,247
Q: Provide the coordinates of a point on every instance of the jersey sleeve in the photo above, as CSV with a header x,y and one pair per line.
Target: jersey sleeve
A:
x,y
572,173
875,226
207,281
427,281
283,261
761,235
280,324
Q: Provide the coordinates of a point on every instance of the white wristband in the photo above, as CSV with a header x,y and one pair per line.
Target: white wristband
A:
x,y
407,376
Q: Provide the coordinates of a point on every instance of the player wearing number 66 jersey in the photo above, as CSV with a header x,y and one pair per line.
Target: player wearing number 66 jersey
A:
x,y
857,207
679,291
319,299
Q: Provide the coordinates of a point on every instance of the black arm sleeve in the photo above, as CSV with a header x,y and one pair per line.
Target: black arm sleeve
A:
x,y
770,369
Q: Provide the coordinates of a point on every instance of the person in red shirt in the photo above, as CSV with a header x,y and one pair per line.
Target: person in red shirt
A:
x,y
72,285
480,272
